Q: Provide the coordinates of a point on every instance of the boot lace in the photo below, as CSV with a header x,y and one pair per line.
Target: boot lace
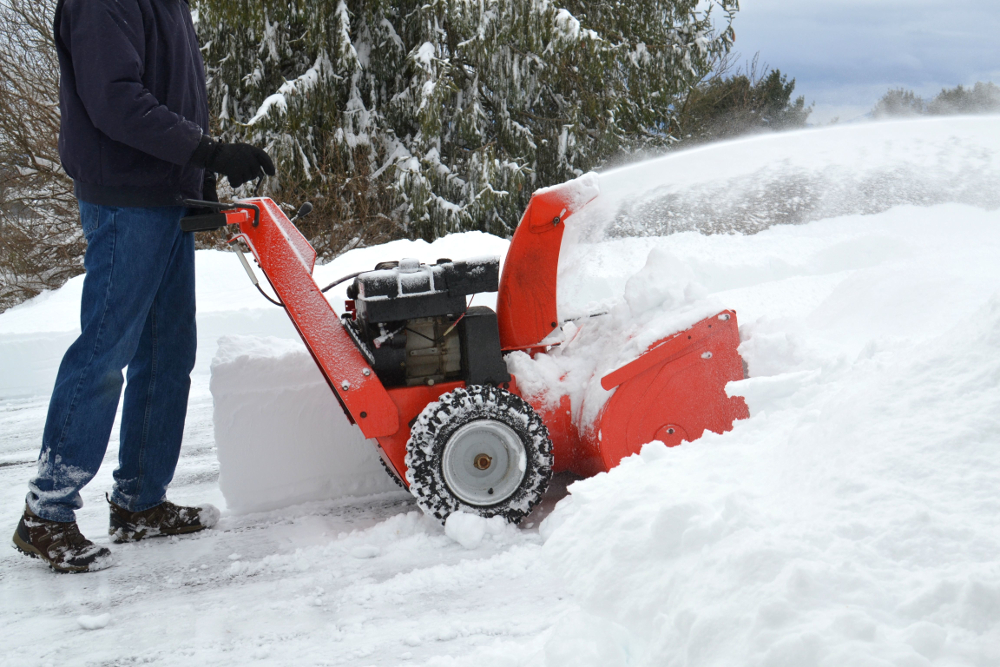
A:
x,y
68,538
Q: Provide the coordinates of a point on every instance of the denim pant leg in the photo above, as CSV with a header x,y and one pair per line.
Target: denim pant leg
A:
x,y
128,251
156,395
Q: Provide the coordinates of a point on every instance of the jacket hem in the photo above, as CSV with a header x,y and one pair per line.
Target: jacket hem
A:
x,y
130,196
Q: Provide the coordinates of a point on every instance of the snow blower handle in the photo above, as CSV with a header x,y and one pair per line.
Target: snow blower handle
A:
x,y
203,223
209,221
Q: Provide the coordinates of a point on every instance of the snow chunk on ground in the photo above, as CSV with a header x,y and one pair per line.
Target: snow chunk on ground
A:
x,y
470,530
209,515
281,435
94,622
466,529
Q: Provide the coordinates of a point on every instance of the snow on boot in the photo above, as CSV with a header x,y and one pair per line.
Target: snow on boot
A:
x,y
164,519
59,544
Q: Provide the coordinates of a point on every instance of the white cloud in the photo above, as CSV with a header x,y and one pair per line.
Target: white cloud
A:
x,y
849,52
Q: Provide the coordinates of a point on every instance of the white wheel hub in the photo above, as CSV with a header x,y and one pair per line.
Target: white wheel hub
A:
x,y
484,462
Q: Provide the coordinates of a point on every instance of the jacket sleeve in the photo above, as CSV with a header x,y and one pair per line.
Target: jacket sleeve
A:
x,y
105,41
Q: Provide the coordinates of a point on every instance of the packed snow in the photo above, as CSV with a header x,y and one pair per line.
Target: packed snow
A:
x,y
854,519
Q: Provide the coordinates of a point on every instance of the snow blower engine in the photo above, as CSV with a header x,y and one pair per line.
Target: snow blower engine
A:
x,y
413,325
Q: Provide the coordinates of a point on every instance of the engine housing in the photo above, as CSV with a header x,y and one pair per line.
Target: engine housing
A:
x,y
412,322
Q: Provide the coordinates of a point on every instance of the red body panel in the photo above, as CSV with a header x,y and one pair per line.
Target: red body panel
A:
x,y
674,392
671,393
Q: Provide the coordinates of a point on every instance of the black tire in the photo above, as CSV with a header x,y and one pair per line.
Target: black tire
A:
x,y
446,424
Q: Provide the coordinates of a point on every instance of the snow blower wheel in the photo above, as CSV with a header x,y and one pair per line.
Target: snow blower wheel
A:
x,y
480,450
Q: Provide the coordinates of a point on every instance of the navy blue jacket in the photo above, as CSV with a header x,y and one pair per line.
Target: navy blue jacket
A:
x,y
133,100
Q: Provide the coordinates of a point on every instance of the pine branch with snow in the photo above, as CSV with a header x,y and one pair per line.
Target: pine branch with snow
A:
x,y
421,119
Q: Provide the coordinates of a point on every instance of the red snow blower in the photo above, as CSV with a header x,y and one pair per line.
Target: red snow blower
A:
x,y
423,374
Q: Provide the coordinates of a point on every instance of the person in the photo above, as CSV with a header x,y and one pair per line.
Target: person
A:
x,y
134,138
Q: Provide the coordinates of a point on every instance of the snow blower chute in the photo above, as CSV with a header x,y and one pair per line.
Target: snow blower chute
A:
x,y
423,374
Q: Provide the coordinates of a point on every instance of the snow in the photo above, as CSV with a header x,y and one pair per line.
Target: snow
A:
x,y
280,434
466,529
852,520
94,622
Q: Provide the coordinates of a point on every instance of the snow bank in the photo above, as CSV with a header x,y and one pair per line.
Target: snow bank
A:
x,y
34,335
854,518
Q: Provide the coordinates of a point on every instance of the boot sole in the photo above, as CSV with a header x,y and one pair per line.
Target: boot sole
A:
x,y
32,552
120,537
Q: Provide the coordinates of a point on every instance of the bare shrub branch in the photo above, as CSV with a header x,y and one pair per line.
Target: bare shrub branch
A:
x,y
41,246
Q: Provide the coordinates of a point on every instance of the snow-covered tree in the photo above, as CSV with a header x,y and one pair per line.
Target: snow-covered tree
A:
x,y
422,118
899,102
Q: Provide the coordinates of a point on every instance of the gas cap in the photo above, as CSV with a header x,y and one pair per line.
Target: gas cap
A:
x,y
409,265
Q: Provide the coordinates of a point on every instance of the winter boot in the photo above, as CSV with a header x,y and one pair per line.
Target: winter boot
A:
x,y
59,544
164,519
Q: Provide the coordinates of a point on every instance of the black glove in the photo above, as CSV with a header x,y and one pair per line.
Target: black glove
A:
x,y
237,162
208,188
208,193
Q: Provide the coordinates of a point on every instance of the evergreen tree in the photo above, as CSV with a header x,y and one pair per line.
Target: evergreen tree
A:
x,y
423,118
726,106
980,98
899,102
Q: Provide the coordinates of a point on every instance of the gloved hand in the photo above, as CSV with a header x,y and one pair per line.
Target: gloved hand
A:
x,y
209,191
237,162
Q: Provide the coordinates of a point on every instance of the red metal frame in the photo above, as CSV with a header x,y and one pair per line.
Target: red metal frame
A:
x,y
673,392
287,260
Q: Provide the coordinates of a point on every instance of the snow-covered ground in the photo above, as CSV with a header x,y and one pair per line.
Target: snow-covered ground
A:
x,y
854,519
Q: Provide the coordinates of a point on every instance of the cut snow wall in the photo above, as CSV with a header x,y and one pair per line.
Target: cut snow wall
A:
x,y
281,435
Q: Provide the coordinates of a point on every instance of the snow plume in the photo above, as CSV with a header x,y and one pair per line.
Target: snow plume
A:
x,y
750,184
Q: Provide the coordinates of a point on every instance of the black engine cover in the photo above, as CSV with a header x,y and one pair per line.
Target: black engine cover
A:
x,y
410,289
413,324
482,361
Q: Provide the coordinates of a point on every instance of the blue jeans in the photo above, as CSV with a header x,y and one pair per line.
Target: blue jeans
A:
x,y
138,310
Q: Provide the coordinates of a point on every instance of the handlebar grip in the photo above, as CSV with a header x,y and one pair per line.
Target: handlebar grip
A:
x,y
203,223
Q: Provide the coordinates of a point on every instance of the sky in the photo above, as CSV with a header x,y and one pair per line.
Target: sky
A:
x,y
844,54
